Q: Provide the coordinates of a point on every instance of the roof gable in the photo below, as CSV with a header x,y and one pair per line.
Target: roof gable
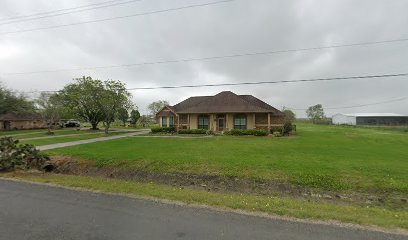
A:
x,y
224,102
190,102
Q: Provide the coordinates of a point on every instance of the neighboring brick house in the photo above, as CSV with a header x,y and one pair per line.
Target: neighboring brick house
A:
x,y
224,111
18,121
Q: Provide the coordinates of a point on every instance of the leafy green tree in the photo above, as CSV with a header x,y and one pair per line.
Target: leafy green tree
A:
x,y
51,108
290,116
315,113
134,117
84,98
10,102
96,101
113,98
155,107
123,115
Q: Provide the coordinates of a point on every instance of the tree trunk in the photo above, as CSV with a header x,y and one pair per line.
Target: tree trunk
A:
x,y
94,126
107,128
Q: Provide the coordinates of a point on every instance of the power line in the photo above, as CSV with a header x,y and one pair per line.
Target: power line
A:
x,y
119,17
237,55
70,12
260,83
358,106
58,10
351,106
274,82
291,81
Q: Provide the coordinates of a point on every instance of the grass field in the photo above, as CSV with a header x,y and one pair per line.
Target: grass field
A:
x,y
34,131
325,157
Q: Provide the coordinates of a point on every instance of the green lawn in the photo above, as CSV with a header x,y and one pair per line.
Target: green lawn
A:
x,y
6,133
327,157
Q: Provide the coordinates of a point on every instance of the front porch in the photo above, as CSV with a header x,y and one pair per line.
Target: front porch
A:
x,y
219,122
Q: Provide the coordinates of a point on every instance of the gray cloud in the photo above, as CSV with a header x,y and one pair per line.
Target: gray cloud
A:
x,y
235,27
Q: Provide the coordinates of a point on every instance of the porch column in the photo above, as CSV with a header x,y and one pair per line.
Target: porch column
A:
x,y
226,122
214,123
254,122
178,122
188,121
269,122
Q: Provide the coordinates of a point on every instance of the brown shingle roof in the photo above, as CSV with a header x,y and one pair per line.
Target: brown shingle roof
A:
x,y
224,102
190,102
19,116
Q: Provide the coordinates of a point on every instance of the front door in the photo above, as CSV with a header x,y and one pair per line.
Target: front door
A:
x,y
221,122
7,125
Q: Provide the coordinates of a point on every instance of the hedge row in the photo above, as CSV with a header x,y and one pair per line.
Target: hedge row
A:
x,y
240,132
163,130
285,130
192,131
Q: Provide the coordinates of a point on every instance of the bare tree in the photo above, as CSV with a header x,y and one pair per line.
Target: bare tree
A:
x,y
144,121
50,108
155,107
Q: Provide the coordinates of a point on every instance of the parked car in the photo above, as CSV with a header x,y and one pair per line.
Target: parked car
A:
x,y
72,123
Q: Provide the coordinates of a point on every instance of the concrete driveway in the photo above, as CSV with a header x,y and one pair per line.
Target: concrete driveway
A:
x,y
100,139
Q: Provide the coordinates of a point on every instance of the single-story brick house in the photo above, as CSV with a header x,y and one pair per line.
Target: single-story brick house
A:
x,y
222,112
18,121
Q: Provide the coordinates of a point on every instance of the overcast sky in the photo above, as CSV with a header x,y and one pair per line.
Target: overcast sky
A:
x,y
235,27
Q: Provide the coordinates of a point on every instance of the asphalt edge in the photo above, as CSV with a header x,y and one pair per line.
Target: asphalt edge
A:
x,y
334,223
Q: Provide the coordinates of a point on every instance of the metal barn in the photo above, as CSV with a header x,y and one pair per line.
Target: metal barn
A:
x,y
370,119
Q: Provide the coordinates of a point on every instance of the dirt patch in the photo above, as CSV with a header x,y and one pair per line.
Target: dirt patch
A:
x,y
215,183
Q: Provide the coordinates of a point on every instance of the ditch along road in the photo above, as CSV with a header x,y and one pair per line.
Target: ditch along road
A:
x,y
34,211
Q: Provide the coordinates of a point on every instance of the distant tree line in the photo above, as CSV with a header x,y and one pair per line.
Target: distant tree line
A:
x,y
12,102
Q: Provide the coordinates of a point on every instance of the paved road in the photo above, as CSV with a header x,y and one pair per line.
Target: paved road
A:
x,y
29,211
100,139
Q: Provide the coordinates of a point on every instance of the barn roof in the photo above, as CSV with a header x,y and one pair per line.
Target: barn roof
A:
x,y
224,102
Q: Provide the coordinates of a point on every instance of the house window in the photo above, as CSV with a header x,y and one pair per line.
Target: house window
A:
x,y
171,121
203,122
240,121
183,118
261,118
164,121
